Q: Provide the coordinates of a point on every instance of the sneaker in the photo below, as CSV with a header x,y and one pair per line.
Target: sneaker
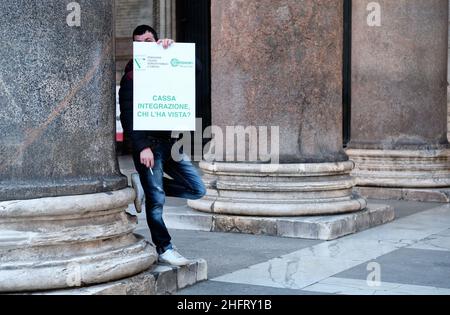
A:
x,y
174,258
140,196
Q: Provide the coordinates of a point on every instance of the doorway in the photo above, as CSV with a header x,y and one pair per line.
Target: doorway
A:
x,y
193,25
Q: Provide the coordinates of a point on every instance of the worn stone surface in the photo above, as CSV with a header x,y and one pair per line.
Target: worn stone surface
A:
x,y
57,97
202,221
262,77
246,225
278,190
143,284
308,227
158,280
399,76
62,198
448,88
409,194
202,271
66,242
187,276
166,279
417,169
399,99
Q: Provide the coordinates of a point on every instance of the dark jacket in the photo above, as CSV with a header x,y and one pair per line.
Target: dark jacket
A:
x,y
140,140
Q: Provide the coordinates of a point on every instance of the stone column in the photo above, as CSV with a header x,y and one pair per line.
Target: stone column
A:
x,y
399,100
448,85
62,198
279,63
165,14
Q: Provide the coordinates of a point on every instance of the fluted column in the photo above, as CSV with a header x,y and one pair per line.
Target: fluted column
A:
x,y
62,198
279,63
166,15
399,100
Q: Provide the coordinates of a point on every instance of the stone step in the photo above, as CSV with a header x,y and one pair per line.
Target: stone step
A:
x,y
159,280
328,227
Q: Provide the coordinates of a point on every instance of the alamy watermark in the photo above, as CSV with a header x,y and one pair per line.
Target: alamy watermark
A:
x,y
74,17
74,277
374,277
374,17
252,144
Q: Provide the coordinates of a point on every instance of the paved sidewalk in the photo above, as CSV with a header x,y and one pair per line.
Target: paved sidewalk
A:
x,y
410,255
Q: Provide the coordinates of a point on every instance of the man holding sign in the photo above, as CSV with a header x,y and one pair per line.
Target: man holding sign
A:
x,y
153,104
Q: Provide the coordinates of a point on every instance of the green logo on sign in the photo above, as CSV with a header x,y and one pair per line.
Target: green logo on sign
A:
x,y
178,63
137,63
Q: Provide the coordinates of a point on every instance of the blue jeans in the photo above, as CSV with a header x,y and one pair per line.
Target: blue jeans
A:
x,y
185,183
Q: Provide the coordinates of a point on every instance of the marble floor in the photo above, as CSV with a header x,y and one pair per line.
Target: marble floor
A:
x,y
408,256
409,252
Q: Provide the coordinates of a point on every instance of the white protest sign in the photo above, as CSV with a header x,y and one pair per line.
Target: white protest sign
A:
x,y
164,87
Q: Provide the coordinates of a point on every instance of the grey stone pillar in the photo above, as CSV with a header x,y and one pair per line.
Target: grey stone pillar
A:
x,y
399,100
62,198
279,63
165,14
448,87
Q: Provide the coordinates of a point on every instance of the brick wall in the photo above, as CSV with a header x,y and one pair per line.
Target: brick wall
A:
x,y
129,14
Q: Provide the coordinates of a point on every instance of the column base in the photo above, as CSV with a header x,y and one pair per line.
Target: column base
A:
x,y
278,190
68,242
422,195
158,280
416,175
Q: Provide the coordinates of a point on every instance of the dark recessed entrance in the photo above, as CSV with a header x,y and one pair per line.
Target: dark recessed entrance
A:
x,y
194,26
